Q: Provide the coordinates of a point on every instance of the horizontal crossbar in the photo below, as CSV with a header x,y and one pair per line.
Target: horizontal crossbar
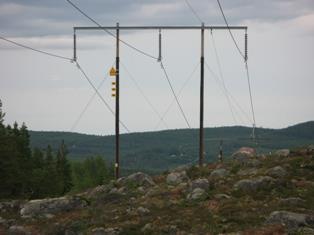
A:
x,y
161,27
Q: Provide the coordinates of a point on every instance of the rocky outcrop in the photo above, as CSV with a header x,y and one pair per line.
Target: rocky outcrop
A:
x,y
277,172
50,206
107,231
197,194
243,154
282,152
138,179
176,178
253,185
291,220
218,174
200,183
18,230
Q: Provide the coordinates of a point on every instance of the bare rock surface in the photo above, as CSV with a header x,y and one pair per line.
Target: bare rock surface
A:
x,y
49,206
291,220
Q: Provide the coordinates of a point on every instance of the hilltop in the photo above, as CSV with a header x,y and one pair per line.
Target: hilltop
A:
x,y
247,194
155,152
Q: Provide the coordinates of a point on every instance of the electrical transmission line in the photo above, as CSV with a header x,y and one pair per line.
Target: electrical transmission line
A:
x,y
231,34
36,50
225,92
111,34
222,77
99,95
246,67
144,96
174,94
193,11
180,91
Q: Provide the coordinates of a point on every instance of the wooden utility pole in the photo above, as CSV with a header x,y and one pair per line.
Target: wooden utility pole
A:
x,y
117,96
117,164
201,131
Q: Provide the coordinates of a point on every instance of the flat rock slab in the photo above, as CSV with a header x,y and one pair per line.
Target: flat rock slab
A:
x,y
51,206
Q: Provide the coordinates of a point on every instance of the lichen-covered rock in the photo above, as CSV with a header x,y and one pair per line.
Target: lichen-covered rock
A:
x,y
277,172
197,194
250,171
290,220
51,206
292,201
107,231
253,185
218,174
17,230
138,179
220,196
244,154
200,183
175,178
142,211
282,152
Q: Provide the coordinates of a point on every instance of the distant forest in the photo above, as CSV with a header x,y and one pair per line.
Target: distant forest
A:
x,y
154,152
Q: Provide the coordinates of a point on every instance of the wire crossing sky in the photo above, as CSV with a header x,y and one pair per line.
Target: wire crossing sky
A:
x,y
37,86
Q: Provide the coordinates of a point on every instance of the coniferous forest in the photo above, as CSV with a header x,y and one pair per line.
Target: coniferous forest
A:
x,y
38,173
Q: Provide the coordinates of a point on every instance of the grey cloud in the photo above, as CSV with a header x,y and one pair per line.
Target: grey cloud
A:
x,y
46,17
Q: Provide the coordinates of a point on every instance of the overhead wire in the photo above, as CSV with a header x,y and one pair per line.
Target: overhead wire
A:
x,y
222,76
218,81
144,96
174,94
87,104
36,50
231,34
110,33
246,68
193,11
99,95
180,91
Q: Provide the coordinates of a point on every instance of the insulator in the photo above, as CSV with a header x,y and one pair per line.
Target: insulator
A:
x,y
246,47
159,44
74,47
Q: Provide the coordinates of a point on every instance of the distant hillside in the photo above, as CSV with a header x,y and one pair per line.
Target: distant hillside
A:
x,y
156,151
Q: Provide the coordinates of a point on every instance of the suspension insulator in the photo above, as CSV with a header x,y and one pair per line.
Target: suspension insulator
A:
x,y
159,46
74,47
246,48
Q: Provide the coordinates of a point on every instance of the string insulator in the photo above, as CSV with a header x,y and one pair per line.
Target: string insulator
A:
x,y
246,47
159,46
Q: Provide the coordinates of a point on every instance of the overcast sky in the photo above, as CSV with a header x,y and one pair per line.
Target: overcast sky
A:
x,y
49,93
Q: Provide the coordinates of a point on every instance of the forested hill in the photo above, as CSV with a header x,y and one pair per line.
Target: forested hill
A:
x,y
155,151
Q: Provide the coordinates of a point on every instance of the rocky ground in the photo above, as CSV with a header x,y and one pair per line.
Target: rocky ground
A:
x,y
247,194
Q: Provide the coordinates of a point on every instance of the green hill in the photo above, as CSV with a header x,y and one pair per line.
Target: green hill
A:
x,y
161,150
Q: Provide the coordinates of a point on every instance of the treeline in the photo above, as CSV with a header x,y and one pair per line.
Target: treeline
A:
x,y
39,173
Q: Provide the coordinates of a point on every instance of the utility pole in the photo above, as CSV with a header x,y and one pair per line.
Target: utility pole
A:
x,y
117,164
201,131
118,28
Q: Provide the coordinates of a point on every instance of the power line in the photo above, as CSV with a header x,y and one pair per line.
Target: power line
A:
x,y
246,68
99,95
193,11
86,106
226,22
36,50
174,94
143,94
180,91
222,77
251,98
218,81
107,31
